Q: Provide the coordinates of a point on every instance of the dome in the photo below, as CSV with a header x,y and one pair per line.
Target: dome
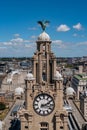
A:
x,y
44,37
19,91
58,76
70,91
30,76
9,80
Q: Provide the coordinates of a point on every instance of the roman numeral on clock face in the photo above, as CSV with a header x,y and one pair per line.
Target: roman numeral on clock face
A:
x,y
43,104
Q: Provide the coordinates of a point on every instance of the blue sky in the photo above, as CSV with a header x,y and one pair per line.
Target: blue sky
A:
x,y
19,29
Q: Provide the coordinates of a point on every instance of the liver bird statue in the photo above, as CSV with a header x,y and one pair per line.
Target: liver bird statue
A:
x,y
43,24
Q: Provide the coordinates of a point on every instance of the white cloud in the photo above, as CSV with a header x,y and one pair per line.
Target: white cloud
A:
x,y
78,26
22,47
2,47
16,35
75,34
33,37
69,49
82,43
17,47
17,40
7,43
63,28
28,46
59,44
78,35
32,28
33,45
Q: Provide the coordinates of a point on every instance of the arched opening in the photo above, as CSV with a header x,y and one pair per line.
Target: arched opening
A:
x,y
44,76
18,98
44,126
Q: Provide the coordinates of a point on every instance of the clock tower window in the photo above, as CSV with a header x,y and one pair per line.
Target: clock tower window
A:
x,y
44,126
43,129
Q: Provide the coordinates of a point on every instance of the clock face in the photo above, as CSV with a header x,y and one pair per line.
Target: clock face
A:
x,y
43,104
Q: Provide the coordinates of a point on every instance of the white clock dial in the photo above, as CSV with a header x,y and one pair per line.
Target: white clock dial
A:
x,y
43,104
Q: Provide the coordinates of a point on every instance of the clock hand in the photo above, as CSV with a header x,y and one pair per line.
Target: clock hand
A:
x,y
48,102
44,105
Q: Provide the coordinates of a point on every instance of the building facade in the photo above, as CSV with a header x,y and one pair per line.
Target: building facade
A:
x,y
44,92
83,103
79,83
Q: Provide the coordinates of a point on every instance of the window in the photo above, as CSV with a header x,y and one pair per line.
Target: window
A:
x,y
43,129
61,127
26,127
43,126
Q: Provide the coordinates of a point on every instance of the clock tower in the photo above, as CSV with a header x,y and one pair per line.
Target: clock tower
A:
x,y
44,91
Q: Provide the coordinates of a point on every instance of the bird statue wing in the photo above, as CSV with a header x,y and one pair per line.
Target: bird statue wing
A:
x,y
47,22
43,24
40,22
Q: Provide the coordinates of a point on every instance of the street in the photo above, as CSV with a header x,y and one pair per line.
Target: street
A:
x,y
8,118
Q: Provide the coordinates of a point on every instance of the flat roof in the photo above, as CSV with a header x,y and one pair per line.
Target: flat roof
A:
x,y
80,77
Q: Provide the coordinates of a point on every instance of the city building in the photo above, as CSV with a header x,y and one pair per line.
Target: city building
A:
x,y
79,83
2,97
44,92
83,103
3,67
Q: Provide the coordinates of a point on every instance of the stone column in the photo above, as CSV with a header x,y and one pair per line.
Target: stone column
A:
x,y
47,68
53,67
58,122
22,123
40,68
28,92
49,46
34,69
65,123
30,122
59,90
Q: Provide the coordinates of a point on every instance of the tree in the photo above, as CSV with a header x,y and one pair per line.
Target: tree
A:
x,y
2,106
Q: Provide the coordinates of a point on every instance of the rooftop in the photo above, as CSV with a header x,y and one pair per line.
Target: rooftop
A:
x,y
81,77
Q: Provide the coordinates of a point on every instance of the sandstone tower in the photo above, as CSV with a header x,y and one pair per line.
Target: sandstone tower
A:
x,y
44,91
